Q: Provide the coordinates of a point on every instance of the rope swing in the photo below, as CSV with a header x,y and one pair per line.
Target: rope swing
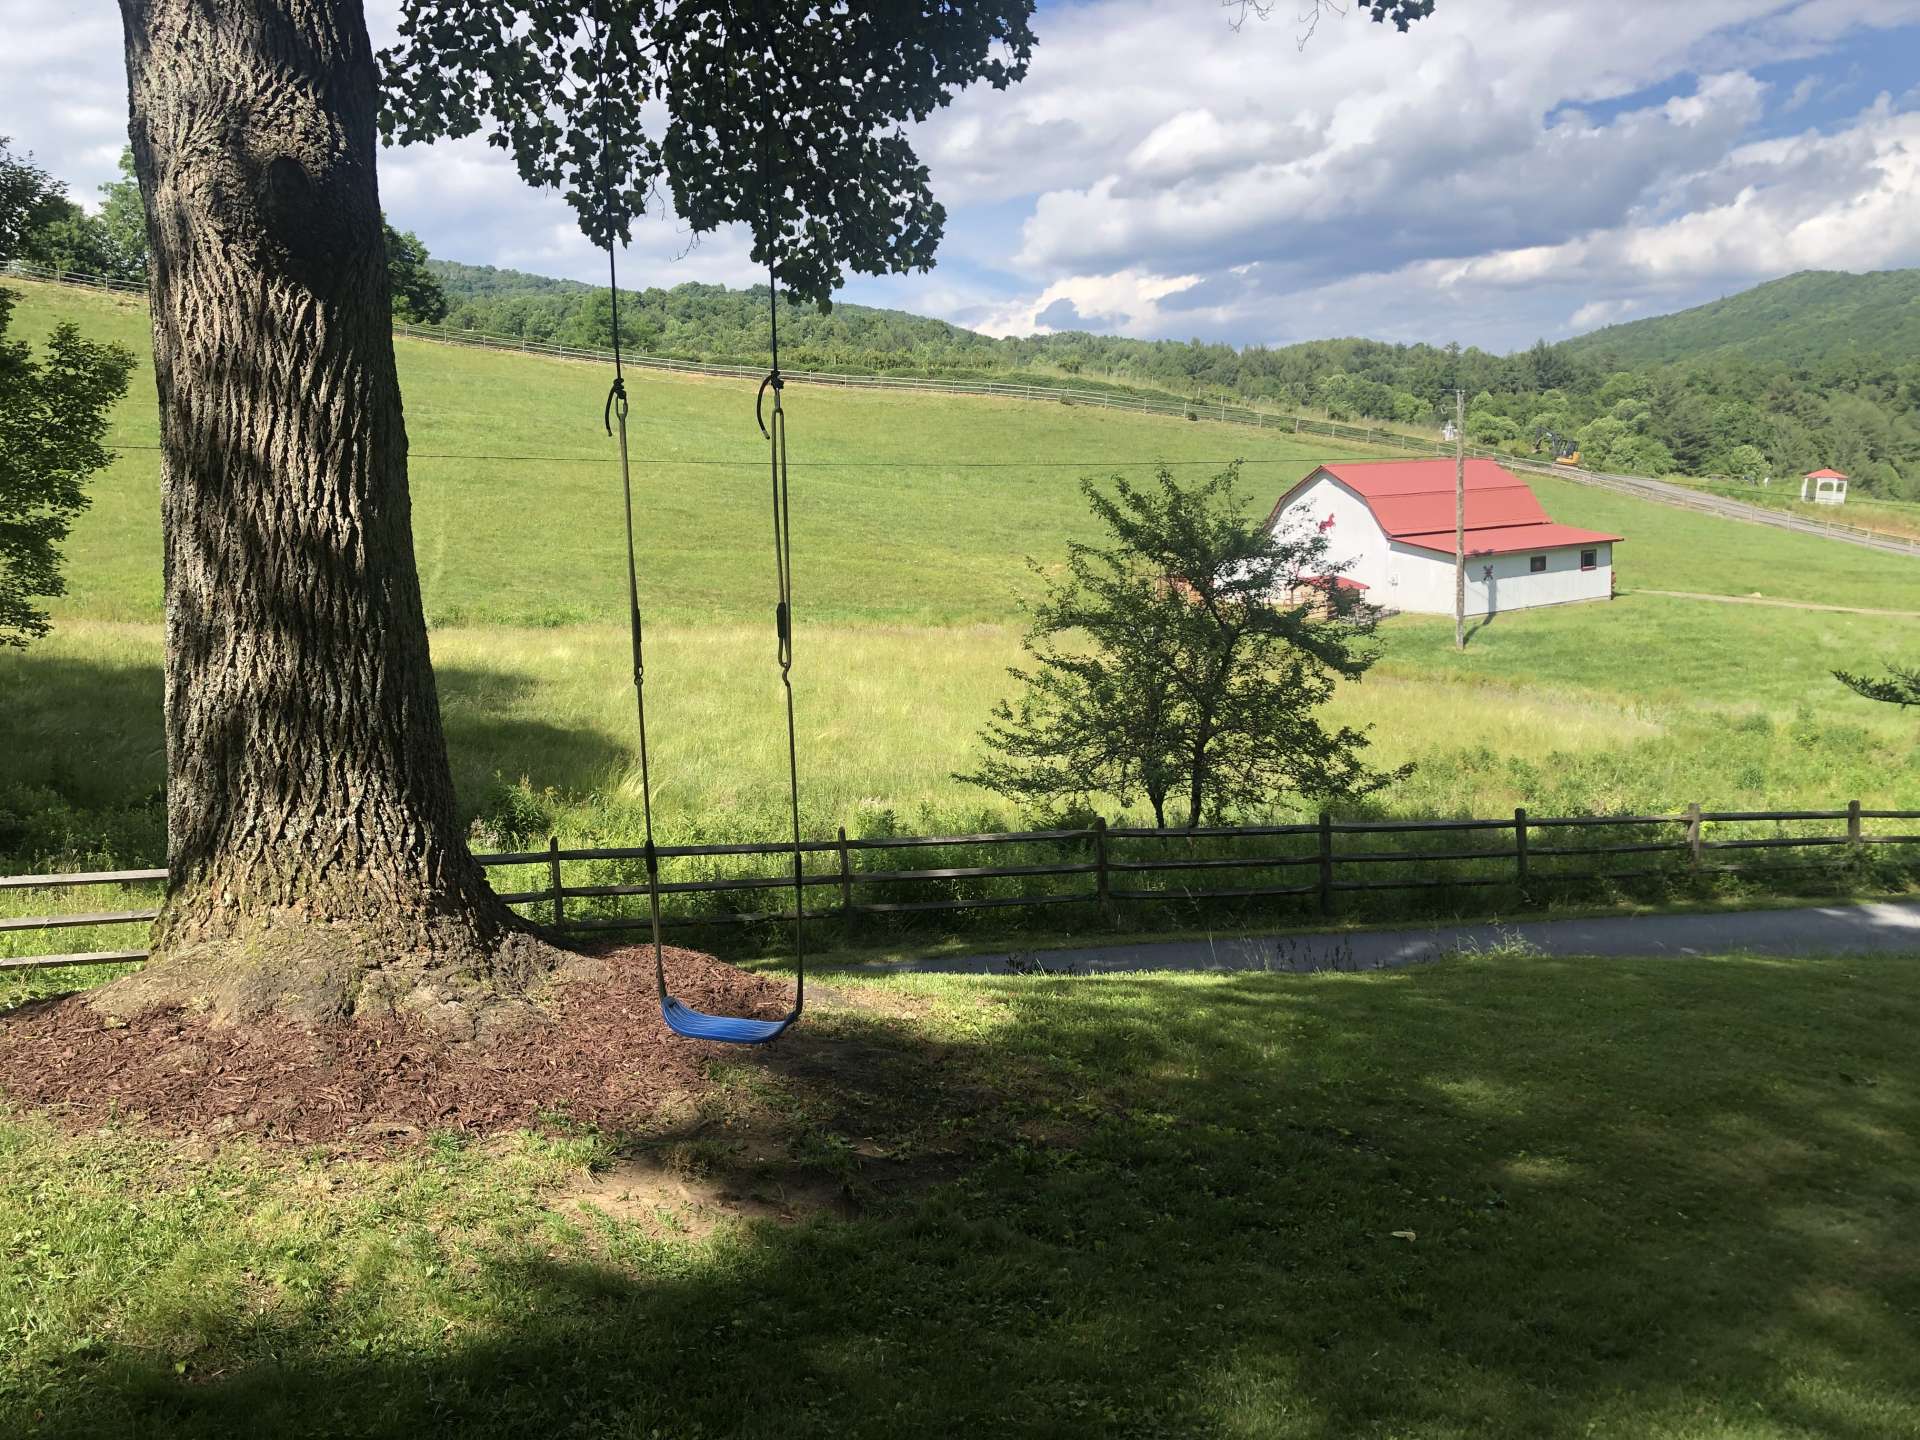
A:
x,y
680,1017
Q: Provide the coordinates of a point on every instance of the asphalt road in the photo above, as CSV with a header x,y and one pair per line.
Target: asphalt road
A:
x,y
1882,928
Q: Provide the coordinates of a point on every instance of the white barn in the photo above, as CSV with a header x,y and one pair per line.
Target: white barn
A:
x,y
1394,520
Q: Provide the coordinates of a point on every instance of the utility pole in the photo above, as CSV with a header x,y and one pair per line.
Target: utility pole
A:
x,y
1459,519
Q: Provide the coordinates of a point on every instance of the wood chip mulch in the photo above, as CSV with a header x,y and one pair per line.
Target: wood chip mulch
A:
x,y
603,1058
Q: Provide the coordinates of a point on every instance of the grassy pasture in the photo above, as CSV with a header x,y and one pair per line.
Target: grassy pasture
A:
x,y
539,723
1498,1196
935,539
906,586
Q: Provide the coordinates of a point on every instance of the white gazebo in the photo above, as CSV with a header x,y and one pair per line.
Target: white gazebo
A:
x,y
1824,487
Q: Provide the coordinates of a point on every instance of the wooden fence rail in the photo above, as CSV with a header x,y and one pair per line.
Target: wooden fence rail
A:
x,y
1531,861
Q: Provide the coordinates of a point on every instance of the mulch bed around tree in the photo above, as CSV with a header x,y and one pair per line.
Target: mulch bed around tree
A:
x,y
604,1058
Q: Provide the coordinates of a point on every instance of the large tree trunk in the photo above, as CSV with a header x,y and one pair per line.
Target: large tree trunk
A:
x,y
315,865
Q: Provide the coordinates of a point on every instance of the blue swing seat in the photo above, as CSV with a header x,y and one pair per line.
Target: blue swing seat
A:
x,y
728,1029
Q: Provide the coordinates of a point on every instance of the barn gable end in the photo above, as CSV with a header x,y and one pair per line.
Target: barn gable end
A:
x,y
1392,522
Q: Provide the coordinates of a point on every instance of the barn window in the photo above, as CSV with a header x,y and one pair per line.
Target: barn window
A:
x,y
1536,563
1589,559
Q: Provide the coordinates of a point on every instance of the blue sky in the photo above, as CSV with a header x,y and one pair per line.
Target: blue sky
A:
x,y
1508,169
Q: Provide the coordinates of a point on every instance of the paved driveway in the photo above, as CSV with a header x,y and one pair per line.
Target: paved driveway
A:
x,y
1884,928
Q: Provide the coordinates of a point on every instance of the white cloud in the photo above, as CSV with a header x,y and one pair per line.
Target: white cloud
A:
x,y
1600,312
1863,221
1126,302
1489,175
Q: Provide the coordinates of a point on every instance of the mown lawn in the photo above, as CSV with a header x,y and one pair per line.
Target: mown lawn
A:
x,y
1499,1196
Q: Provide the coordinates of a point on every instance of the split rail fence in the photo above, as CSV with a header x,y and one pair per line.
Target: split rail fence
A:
x,y
1288,872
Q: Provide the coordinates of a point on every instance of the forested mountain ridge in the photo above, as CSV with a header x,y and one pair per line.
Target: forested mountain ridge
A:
x,y
1808,318
1816,369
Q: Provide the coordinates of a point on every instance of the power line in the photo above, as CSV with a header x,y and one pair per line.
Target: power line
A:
x,y
901,464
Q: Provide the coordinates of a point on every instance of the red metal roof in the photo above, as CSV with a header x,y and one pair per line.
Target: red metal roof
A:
x,y
1509,539
1374,478
1413,501
1825,475
1401,515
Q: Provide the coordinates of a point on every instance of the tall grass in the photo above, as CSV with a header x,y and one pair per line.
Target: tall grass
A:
x,y
540,723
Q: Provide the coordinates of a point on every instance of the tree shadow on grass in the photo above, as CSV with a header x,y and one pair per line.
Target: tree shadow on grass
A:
x,y
91,732
1487,1197
88,729
488,741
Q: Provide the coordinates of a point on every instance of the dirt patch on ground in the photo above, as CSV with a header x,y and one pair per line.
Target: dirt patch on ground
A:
x,y
669,1201
600,1056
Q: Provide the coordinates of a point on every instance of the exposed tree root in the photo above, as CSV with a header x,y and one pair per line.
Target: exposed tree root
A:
x,y
440,974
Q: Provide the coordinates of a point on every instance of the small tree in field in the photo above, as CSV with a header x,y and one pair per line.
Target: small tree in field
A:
x,y
1185,660
53,413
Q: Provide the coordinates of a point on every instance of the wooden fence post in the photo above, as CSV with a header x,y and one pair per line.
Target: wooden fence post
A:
x,y
846,885
1326,863
1856,851
1693,836
1102,877
1520,845
553,875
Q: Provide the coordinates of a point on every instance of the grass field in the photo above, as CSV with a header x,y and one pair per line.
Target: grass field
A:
x,y
1492,1197
906,585
907,508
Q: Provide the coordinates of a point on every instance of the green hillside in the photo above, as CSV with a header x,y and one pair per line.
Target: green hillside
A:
x,y
907,507
1811,318
913,518
1815,370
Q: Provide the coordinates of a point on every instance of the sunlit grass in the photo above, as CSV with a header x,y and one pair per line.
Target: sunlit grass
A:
x,y
905,586
908,507
1498,1196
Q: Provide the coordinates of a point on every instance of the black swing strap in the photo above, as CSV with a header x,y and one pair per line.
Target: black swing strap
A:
x,y
680,1017
615,414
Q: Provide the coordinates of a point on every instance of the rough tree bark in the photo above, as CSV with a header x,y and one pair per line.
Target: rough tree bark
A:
x,y
315,866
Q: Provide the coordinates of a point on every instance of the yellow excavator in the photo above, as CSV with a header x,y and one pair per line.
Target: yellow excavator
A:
x,y
1564,451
